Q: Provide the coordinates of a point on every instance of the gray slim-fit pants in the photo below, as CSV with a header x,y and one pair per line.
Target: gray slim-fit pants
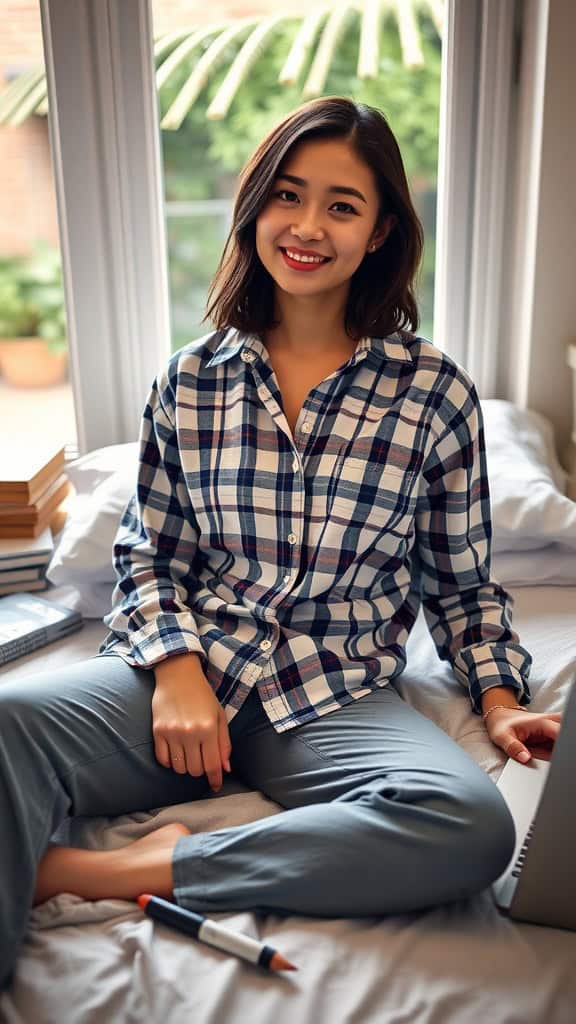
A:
x,y
385,813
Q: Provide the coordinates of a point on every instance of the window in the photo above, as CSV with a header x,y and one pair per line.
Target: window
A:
x,y
123,186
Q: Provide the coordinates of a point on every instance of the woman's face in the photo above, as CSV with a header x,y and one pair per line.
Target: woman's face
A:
x,y
324,203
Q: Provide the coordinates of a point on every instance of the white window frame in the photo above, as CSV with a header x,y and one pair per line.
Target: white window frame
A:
x,y
105,142
494,189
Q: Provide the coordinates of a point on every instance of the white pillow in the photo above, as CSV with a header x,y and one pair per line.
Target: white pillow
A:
x,y
553,565
90,470
93,600
529,509
83,552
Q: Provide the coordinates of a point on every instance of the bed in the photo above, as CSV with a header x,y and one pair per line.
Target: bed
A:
x,y
95,962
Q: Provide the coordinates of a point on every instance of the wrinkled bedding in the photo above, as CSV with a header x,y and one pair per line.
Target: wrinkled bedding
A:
x,y
105,963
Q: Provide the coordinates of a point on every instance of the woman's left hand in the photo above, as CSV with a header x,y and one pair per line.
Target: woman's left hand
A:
x,y
523,734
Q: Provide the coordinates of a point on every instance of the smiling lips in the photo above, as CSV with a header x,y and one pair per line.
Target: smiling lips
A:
x,y
299,259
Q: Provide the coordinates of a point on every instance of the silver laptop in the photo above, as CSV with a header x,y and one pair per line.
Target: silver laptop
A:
x,y
539,884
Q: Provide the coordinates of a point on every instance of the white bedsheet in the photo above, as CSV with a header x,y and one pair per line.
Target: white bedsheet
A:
x,y
105,963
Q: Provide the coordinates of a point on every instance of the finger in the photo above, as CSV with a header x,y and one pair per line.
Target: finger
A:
x,y
552,729
162,752
212,763
542,753
514,748
193,754
178,759
539,730
225,744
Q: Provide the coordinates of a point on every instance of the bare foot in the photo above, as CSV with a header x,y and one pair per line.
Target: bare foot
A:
x,y
145,865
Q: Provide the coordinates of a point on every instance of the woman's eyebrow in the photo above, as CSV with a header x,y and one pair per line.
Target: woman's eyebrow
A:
x,y
332,188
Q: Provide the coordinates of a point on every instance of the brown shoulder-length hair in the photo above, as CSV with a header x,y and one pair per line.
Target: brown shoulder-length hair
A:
x,y
381,300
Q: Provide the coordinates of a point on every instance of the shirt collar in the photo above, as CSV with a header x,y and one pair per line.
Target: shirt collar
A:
x,y
390,348
233,342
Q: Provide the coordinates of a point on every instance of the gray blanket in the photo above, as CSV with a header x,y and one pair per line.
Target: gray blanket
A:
x,y
106,963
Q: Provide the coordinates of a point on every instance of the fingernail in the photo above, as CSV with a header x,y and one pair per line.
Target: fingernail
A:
x,y
227,766
523,756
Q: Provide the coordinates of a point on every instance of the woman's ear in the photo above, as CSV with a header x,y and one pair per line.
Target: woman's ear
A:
x,y
380,236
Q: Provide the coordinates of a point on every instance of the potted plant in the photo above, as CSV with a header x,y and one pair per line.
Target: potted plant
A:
x,y
33,346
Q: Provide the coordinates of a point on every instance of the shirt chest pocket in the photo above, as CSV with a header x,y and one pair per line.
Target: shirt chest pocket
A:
x,y
369,506
364,487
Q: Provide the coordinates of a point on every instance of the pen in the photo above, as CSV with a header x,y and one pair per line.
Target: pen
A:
x,y
213,934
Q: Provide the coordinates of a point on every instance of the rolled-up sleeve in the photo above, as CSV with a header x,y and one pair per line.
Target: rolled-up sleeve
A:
x,y
468,613
155,546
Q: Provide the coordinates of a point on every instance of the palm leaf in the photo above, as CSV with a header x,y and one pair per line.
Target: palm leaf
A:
x,y
319,34
368,48
241,65
301,46
329,40
409,35
208,62
30,102
437,11
182,52
14,94
165,43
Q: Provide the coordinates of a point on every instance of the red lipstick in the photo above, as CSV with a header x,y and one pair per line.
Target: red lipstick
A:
x,y
297,265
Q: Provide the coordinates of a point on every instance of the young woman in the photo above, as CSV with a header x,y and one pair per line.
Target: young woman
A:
x,y
310,473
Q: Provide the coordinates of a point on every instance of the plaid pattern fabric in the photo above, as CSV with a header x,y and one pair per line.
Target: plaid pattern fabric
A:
x,y
300,563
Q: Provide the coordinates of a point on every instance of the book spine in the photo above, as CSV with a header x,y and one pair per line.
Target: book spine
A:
x,y
24,645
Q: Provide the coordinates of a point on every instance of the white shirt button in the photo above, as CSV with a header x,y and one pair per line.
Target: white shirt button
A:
x,y
306,427
265,645
292,538
295,466
248,357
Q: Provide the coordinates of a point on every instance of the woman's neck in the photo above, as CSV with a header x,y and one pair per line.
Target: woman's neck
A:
x,y
304,331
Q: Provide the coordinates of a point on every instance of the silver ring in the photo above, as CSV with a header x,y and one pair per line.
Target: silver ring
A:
x,y
177,757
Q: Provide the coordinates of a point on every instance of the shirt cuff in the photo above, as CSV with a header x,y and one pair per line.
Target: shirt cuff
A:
x,y
482,667
161,639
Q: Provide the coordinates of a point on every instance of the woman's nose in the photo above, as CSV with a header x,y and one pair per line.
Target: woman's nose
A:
x,y
308,226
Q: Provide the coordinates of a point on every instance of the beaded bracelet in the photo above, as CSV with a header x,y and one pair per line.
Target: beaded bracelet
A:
x,y
502,707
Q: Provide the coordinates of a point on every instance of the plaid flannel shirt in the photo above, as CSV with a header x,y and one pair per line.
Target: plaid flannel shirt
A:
x,y
298,563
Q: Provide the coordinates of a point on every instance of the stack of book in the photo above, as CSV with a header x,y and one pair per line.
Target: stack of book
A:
x,y
33,489
23,563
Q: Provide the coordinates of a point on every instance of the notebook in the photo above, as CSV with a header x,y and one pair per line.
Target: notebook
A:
x,y
538,884
28,622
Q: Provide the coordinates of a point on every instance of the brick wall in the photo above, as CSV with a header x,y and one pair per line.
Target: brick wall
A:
x,y
27,197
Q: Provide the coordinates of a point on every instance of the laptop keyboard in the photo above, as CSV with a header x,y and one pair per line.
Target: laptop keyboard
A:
x,y
522,855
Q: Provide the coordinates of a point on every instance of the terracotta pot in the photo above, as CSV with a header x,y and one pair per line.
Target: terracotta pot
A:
x,y
28,363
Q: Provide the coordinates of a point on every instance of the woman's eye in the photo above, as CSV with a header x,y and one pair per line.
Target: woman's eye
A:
x,y
349,208
286,195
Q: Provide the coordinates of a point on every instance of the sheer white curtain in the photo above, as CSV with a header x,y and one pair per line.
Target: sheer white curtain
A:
x,y
476,154
505,302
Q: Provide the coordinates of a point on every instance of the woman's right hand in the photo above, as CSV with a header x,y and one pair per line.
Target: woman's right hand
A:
x,y
188,722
